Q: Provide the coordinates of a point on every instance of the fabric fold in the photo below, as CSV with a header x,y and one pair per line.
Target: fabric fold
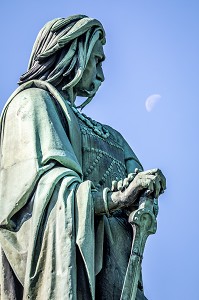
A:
x,y
40,173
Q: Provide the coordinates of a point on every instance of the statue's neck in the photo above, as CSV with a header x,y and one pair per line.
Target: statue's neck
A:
x,y
68,95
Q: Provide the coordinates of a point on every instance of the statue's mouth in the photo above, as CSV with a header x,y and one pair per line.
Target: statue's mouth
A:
x,y
95,86
93,89
92,86
90,93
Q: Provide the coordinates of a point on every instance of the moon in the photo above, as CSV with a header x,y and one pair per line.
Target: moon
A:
x,y
151,101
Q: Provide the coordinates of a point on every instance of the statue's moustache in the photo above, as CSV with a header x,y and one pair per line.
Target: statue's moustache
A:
x,y
90,93
94,87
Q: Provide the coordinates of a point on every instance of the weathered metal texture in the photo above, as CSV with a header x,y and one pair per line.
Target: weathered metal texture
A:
x,y
144,223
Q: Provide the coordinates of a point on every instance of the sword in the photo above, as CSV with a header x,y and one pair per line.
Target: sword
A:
x,y
143,222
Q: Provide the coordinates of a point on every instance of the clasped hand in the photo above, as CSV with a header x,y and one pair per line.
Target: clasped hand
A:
x,y
151,181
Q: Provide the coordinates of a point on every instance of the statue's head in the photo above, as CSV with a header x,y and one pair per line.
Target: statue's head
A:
x,y
68,54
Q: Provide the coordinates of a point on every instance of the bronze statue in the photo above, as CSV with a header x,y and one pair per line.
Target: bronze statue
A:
x,y
68,183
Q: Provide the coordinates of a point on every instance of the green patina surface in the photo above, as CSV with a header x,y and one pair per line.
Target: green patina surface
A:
x,y
71,187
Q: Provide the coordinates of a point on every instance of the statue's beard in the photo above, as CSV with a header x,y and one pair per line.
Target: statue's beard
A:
x,y
93,89
89,93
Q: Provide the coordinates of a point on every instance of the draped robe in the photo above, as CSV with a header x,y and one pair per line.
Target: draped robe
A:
x,y
52,247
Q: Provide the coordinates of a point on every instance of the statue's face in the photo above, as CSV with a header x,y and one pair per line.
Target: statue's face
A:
x,y
93,74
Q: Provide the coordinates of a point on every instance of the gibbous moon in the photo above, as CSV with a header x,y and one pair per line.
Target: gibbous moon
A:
x,y
151,101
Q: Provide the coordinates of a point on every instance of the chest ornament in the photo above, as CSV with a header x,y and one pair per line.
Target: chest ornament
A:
x,y
94,125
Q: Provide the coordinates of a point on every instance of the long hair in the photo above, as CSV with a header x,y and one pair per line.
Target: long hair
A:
x,y
62,50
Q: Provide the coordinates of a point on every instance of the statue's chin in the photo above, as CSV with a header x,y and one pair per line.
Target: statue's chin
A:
x,y
92,91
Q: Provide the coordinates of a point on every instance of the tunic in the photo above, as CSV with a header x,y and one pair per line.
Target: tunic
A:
x,y
103,162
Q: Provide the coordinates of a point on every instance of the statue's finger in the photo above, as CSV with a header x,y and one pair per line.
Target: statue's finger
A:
x,y
150,172
163,182
131,176
151,186
163,187
162,179
114,186
148,183
146,177
125,183
137,171
120,185
158,187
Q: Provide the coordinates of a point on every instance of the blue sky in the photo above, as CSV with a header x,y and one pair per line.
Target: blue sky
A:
x,y
152,48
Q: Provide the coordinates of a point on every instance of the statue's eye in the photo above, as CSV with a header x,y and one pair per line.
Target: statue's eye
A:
x,y
98,61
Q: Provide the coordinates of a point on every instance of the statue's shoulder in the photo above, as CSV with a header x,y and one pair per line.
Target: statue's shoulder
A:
x,y
30,96
34,95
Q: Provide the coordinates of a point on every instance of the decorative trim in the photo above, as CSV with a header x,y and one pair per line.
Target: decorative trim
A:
x,y
84,130
94,125
117,162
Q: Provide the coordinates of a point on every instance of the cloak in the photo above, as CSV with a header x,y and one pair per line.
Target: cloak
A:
x,y
41,164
